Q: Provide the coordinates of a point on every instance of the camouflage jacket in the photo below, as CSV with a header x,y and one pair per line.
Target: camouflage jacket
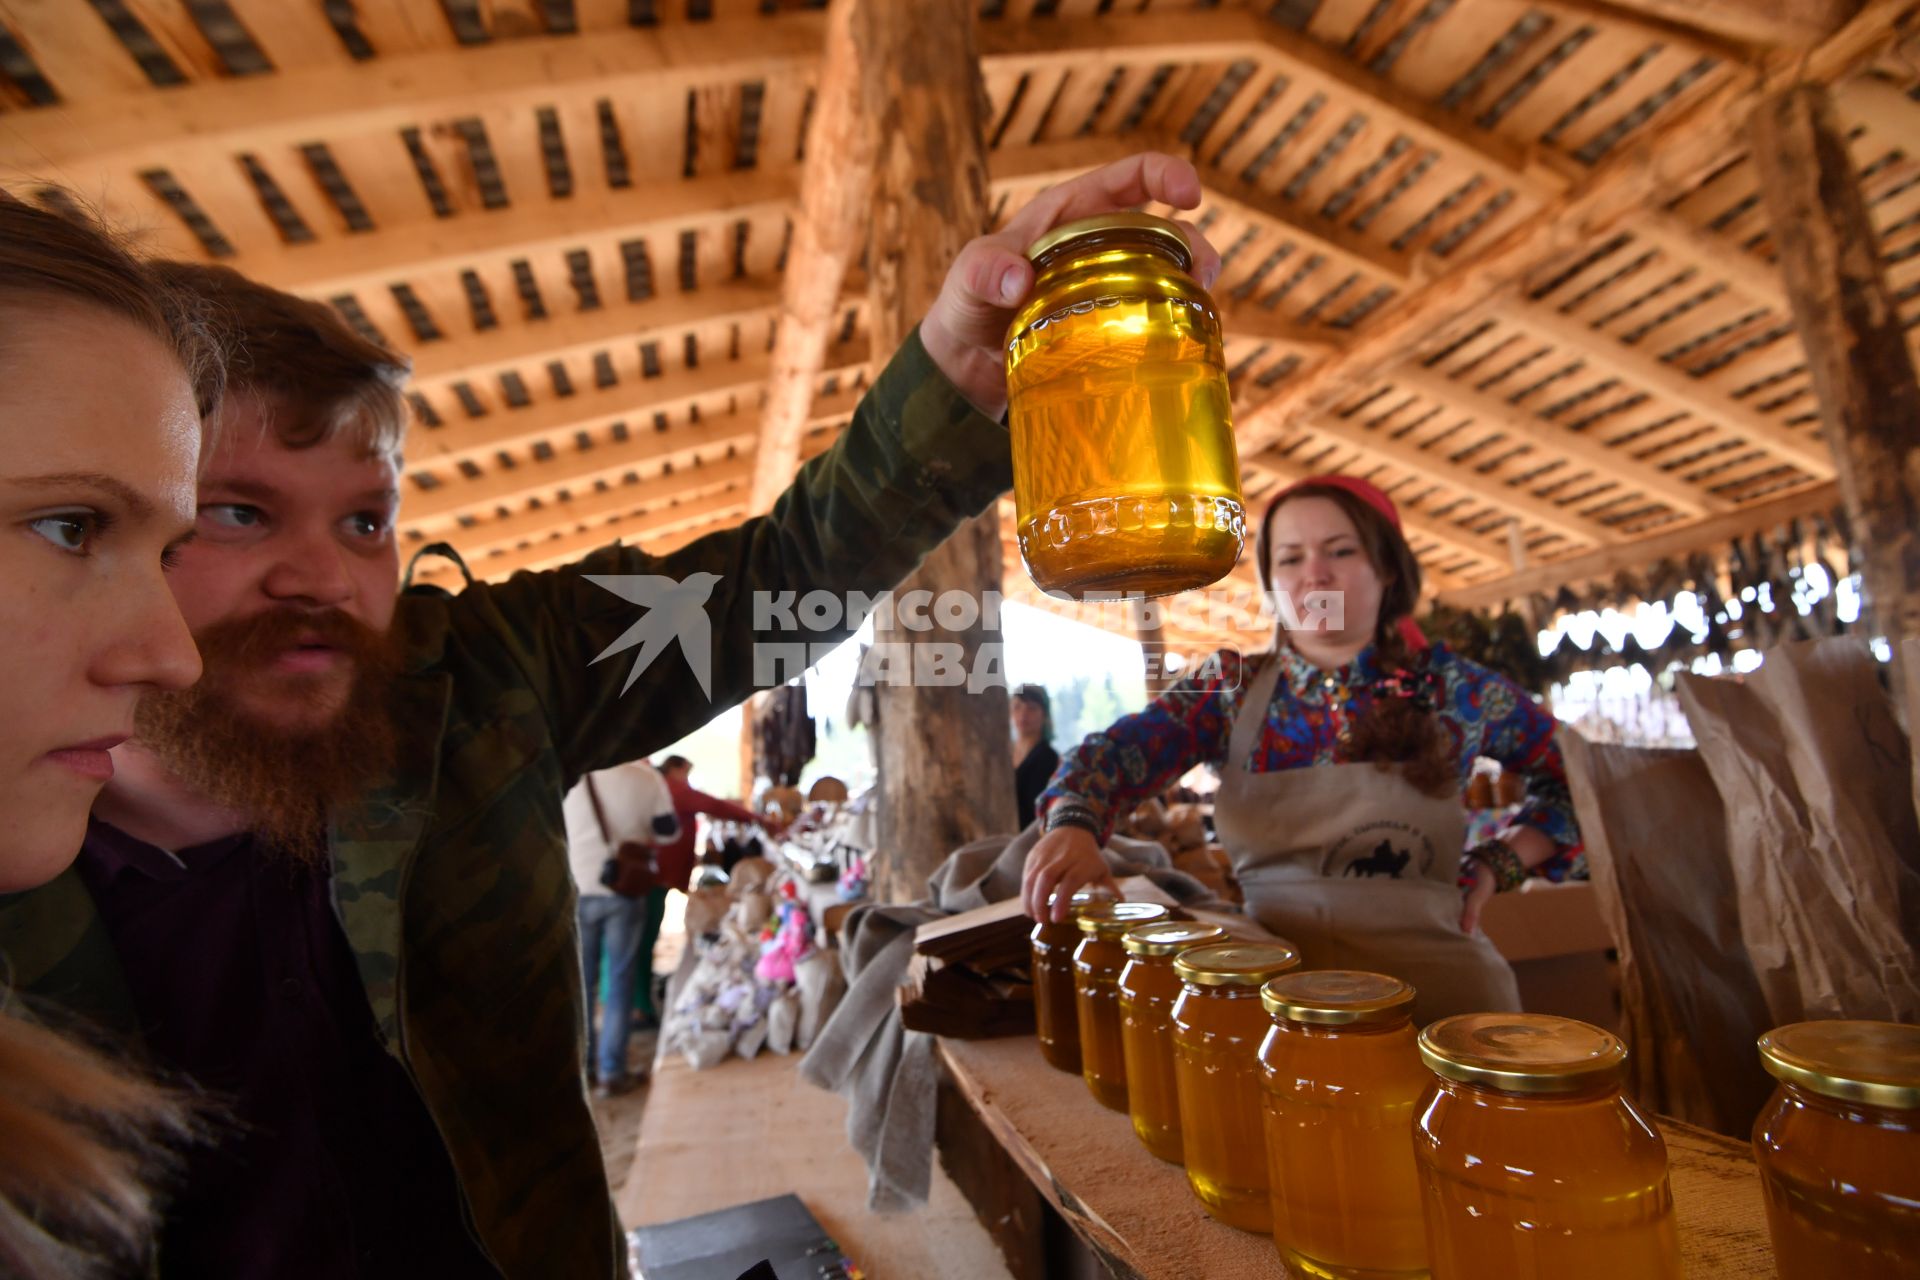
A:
x,y
451,879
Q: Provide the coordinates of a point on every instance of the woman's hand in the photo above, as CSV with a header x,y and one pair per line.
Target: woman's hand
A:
x,y
1480,888
966,331
1063,861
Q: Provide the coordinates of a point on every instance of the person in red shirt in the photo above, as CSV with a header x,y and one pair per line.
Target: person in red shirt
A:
x,y
675,862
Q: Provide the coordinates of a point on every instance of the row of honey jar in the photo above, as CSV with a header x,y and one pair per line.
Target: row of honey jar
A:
x,y
1304,1104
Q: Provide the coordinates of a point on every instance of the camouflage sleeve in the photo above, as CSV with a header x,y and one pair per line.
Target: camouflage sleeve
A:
x,y
916,461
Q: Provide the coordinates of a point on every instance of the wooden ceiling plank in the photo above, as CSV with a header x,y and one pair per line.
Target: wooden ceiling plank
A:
x,y
1784,24
80,57
550,228
115,130
698,516
1355,251
291,35
524,346
592,503
1671,543
396,28
781,119
1721,259
1805,450
175,31
1581,448
1080,92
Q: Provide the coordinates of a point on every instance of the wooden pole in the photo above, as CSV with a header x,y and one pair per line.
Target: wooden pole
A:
x,y
944,779
1856,348
826,239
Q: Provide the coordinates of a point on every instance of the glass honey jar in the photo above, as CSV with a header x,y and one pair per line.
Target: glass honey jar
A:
x,y
1839,1149
1218,1023
1097,962
1055,1014
1125,474
1532,1162
1148,987
1342,1077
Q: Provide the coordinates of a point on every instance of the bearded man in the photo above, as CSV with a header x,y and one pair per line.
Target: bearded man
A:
x,y
329,887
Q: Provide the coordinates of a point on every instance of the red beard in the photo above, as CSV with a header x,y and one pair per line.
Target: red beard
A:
x,y
283,779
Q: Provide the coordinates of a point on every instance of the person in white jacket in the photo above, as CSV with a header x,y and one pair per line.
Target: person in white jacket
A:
x,y
609,808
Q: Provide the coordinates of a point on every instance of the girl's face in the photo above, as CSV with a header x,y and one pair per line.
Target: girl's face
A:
x,y
1028,719
99,441
1317,548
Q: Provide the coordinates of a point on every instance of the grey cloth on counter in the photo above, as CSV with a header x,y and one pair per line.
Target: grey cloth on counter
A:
x,y
887,1073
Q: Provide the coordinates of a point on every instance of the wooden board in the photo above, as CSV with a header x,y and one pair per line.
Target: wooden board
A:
x,y
1140,1215
745,1130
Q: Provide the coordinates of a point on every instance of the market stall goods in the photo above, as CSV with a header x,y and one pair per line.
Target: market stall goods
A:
x,y
1341,1079
1148,987
1839,1149
1218,1023
1097,963
1125,473
1532,1161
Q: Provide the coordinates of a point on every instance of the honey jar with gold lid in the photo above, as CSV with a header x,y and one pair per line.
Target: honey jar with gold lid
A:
x,y
1097,962
1218,1023
1055,1014
1148,987
1125,474
1341,1078
1838,1148
1532,1161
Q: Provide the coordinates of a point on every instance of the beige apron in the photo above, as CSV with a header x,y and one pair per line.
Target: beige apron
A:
x,y
1358,868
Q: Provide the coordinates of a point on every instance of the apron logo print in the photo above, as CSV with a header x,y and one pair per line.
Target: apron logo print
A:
x,y
1385,860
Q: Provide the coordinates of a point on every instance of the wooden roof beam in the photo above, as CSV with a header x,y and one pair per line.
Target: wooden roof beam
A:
x,y
1785,24
662,533
1706,401
1670,543
1350,248
558,545
485,536
634,400
828,233
478,356
1223,35
439,508
142,126
1584,448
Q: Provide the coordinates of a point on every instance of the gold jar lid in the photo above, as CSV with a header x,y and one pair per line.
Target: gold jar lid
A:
x,y
1337,998
1170,937
1522,1052
1169,232
1236,964
1877,1063
1112,919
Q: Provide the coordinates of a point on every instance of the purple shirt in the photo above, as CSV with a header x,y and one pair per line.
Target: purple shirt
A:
x,y
325,1162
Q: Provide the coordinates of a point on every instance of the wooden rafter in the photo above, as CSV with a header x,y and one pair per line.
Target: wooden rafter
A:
x,y
827,237
1790,24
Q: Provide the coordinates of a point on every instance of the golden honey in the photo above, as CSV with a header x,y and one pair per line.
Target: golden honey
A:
x,y
1532,1162
1097,962
1056,1017
1125,474
1342,1078
1218,1023
1148,988
1839,1150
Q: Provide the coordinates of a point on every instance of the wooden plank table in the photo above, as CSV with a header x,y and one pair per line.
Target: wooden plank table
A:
x,y
1138,1214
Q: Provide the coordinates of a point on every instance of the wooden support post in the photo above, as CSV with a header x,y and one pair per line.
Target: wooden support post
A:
x,y
943,773
826,239
1856,348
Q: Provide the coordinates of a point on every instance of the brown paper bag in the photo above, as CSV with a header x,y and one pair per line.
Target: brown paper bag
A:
x,y
1691,1007
1815,776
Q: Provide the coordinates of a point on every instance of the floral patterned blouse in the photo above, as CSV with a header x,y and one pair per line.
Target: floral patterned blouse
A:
x,y
1142,754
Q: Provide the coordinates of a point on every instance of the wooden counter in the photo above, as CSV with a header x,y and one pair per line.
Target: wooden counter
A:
x,y
1139,1216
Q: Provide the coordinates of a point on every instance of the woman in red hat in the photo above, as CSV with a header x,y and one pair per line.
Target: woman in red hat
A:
x,y
1342,757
